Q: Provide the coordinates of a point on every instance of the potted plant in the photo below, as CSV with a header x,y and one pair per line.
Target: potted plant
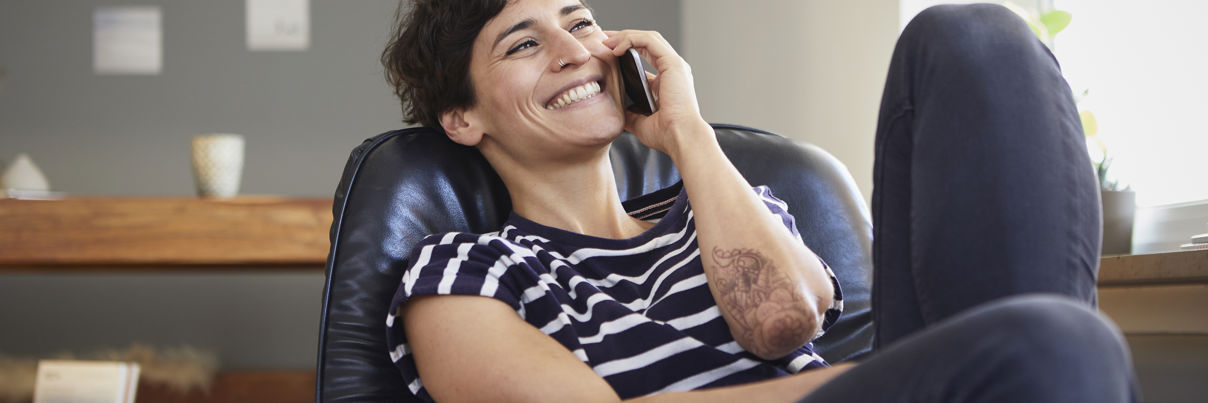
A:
x,y
1119,202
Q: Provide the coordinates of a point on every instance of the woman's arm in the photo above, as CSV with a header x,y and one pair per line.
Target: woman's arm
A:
x,y
772,290
471,348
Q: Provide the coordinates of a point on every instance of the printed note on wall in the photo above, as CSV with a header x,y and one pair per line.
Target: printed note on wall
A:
x,y
127,40
278,24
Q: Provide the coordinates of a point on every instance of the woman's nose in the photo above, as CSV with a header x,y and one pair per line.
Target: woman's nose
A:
x,y
569,51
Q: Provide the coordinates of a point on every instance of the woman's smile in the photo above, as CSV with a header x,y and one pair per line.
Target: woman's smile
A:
x,y
576,95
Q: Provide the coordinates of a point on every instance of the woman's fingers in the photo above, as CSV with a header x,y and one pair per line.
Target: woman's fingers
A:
x,y
650,44
652,47
653,79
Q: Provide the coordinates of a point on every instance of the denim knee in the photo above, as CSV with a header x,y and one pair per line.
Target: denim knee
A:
x,y
1031,348
1052,322
968,23
1059,350
977,40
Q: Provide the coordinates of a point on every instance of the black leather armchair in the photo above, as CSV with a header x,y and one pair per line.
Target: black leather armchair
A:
x,y
403,185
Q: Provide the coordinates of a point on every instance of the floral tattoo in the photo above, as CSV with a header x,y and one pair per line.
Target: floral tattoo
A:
x,y
764,307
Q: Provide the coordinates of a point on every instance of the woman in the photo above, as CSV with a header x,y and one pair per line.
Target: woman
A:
x,y
718,299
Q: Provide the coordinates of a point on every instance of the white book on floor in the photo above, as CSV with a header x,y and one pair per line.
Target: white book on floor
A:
x,y
85,381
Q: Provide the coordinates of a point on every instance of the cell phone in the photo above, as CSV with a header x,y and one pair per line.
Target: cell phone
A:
x,y
638,97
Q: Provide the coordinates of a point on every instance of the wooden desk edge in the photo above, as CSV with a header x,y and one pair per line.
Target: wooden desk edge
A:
x,y
1182,267
151,233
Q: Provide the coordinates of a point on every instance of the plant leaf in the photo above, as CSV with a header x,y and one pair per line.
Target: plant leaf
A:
x,y
1055,21
1090,125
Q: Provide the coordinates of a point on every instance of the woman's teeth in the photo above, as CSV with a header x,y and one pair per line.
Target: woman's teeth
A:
x,y
575,95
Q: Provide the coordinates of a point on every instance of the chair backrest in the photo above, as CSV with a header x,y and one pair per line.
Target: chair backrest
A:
x,y
402,185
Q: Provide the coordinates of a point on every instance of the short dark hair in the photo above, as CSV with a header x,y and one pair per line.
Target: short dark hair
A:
x,y
427,60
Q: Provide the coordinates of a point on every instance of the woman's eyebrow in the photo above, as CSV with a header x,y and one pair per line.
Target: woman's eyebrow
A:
x,y
519,26
570,9
529,22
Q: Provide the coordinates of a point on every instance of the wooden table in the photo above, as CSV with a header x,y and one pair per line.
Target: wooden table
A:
x,y
163,233
1161,293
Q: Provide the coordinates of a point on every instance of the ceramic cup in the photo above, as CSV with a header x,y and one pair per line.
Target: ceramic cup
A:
x,y
217,164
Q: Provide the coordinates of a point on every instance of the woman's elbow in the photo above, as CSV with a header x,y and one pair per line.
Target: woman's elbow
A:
x,y
780,334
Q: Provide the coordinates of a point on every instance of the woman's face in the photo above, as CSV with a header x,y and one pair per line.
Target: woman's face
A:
x,y
544,79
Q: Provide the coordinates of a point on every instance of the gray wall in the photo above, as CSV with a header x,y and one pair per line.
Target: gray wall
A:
x,y
815,69
301,113
129,135
251,320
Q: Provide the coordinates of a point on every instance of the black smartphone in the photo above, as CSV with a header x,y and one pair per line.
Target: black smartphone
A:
x,y
637,89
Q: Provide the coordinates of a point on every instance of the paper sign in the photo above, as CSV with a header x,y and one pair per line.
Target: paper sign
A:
x,y
278,24
127,40
85,381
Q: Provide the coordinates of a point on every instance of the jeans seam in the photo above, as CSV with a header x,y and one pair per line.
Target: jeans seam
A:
x,y
879,209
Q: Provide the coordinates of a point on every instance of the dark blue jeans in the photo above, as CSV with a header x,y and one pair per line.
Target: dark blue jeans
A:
x,y
986,227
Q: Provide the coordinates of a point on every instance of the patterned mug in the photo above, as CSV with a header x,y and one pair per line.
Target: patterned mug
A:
x,y
217,164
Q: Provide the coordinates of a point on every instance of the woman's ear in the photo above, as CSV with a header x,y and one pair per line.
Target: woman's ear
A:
x,y
460,127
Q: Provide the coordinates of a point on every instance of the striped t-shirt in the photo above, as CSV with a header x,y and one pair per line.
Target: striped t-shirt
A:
x,y
638,311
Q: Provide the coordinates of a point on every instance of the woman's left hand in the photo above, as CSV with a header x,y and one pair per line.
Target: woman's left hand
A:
x,y
678,120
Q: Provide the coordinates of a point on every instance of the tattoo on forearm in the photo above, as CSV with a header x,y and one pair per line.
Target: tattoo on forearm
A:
x,y
764,306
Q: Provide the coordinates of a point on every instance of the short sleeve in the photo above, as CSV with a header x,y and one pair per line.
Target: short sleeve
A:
x,y
449,264
836,307
458,264
781,209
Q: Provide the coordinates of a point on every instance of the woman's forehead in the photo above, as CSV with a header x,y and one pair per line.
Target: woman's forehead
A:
x,y
519,11
519,15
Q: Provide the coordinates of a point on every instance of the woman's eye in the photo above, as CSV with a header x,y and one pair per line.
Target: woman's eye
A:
x,y
522,46
584,23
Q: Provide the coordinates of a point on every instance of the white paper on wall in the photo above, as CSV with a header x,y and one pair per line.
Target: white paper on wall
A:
x,y
127,40
278,24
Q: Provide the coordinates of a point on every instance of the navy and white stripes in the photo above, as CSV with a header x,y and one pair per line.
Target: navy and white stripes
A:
x,y
638,311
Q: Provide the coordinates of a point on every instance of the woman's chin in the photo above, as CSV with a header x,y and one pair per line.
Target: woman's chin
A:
x,y
606,129
602,123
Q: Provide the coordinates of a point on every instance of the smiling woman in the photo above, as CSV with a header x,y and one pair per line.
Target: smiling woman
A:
x,y
541,99
589,299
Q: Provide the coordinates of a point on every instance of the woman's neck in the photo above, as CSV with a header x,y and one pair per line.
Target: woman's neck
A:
x,y
581,198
